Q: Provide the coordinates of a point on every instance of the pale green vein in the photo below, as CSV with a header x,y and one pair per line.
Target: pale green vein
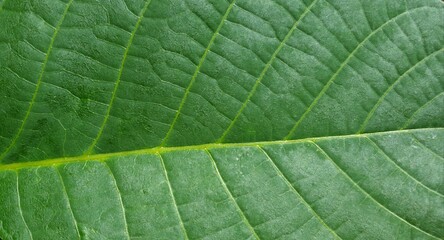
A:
x,y
341,67
119,76
196,72
402,169
68,203
409,121
264,71
1,5
227,191
283,177
422,145
39,81
158,150
119,194
176,208
20,206
389,89
367,194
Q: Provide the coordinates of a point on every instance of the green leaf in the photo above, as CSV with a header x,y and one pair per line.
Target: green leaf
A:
x,y
259,119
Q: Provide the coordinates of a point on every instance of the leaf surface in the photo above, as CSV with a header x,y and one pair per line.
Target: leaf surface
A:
x,y
215,119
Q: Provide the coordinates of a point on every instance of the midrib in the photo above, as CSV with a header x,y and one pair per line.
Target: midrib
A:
x,y
158,150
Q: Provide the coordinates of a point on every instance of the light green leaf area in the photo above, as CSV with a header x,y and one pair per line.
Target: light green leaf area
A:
x,y
221,119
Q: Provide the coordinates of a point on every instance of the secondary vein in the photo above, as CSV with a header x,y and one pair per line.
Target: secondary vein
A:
x,y
119,76
230,195
389,89
39,82
196,72
367,194
170,188
264,71
339,70
290,185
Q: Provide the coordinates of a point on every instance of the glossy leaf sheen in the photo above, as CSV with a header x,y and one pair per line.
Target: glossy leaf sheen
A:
x,y
240,119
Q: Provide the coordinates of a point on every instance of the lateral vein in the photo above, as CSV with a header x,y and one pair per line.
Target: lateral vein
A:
x,y
39,82
379,149
363,191
389,89
227,191
119,76
170,188
264,71
287,181
196,72
20,207
339,70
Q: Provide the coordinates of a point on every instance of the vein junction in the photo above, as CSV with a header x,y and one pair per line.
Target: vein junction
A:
x,y
158,150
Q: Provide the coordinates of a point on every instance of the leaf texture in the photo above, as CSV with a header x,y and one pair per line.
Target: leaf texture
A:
x,y
356,186
234,119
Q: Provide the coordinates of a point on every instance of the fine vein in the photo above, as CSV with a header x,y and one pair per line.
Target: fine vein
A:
x,y
119,76
196,72
39,82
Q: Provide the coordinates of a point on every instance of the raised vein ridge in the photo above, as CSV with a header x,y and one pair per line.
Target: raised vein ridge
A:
x,y
264,71
159,150
368,194
39,81
393,85
341,67
119,76
193,78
